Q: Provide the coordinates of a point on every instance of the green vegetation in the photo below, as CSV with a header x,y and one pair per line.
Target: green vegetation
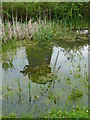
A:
x,y
40,41
75,94
41,32
78,113
44,21
70,13
39,73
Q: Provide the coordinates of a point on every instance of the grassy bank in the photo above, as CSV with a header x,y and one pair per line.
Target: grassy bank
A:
x,y
13,44
78,113
41,31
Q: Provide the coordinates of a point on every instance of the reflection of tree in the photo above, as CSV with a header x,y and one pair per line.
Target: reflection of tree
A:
x,y
71,45
38,55
71,54
38,68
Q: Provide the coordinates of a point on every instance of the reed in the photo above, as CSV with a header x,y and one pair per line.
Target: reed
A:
x,y
42,29
19,86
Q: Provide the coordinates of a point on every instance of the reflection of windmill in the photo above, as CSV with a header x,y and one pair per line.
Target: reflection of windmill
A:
x,y
38,64
54,71
55,63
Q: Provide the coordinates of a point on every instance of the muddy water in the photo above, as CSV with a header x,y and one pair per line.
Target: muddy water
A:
x,y
38,78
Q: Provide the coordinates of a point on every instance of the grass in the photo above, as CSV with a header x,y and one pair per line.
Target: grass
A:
x,y
77,113
41,32
57,32
10,45
19,86
76,94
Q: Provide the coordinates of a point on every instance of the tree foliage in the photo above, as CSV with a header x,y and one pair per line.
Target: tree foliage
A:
x,y
67,12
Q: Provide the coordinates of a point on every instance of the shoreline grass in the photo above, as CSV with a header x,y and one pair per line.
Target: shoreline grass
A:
x,y
41,32
78,113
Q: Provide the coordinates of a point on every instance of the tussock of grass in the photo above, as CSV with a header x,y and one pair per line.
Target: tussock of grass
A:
x,y
78,113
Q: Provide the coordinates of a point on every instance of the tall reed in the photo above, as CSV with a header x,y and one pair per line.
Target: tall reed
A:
x,y
43,29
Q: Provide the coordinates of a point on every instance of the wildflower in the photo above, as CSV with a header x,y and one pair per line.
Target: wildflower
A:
x,y
87,111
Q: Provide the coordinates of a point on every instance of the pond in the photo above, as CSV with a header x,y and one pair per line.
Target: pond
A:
x,y
39,77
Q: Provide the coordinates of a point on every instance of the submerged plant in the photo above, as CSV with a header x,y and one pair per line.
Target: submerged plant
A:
x,y
75,94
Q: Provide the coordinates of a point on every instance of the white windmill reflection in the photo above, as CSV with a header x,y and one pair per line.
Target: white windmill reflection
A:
x,y
57,59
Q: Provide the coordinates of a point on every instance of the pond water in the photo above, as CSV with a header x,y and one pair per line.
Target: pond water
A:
x,y
40,77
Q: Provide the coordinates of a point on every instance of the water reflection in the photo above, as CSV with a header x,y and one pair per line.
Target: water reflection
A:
x,y
61,57
38,68
43,77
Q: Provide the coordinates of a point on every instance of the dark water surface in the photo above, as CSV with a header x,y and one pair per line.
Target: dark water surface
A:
x,y
38,78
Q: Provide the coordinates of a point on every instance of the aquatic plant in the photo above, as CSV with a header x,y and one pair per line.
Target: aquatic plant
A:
x,y
9,88
40,30
29,90
19,86
79,113
7,65
39,74
75,94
